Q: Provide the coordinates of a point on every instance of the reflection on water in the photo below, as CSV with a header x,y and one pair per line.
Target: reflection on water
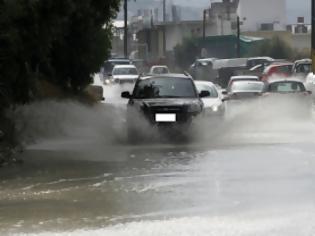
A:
x,y
238,191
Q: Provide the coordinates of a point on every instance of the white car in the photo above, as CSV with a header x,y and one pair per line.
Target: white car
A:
x,y
159,70
213,104
310,82
122,74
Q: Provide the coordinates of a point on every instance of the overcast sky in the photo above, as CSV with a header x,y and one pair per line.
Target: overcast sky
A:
x,y
295,8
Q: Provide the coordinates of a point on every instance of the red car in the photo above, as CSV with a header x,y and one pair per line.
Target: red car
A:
x,y
283,70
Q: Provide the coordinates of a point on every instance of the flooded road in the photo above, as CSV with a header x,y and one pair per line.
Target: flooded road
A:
x,y
246,178
162,191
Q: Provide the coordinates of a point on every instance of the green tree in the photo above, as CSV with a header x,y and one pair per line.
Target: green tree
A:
x,y
187,52
275,48
63,41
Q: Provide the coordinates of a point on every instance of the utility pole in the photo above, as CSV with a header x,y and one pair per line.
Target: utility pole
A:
x,y
164,27
126,28
238,47
204,24
313,35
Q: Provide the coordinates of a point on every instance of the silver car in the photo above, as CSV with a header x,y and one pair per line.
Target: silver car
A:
x,y
213,104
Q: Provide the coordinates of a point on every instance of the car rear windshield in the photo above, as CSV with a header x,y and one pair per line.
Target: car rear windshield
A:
x,y
160,70
109,65
247,86
165,88
285,69
125,71
210,88
286,87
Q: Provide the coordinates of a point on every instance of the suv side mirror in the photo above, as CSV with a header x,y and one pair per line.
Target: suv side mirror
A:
x,y
126,95
204,93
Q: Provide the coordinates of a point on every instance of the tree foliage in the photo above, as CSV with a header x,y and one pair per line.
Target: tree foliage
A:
x,y
63,41
187,52
275,48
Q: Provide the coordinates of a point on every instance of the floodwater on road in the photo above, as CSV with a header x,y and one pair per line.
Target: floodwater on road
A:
x,y
246,176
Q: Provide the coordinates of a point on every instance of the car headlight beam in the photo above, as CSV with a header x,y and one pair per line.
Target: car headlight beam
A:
x,y
215,108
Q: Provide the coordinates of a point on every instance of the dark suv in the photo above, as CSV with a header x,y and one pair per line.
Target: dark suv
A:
x,y
167,102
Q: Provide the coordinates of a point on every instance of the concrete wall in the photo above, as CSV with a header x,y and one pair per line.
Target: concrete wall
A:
x,y
176,33
257,12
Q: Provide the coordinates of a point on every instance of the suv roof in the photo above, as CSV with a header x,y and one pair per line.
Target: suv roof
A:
x,y
180,76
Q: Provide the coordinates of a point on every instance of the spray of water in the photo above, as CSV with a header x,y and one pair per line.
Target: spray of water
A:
x,y
47,120
276,118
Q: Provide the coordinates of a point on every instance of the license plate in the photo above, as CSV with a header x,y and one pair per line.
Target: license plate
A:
x,y
165,117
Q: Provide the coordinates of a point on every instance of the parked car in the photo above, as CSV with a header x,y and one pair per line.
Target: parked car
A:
x,y
213,104
255,61
123,74
302,68
282,69
158,70
202,62
202,69
169,103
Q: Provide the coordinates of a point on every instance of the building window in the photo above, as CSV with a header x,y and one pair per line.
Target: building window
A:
x,y
300,29
266,27
289,28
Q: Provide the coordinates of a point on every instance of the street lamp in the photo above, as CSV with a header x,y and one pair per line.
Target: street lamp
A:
x,y
126,28
238,33
238,51
164,26
204,23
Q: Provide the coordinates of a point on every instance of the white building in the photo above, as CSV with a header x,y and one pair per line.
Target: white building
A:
x,y
263,15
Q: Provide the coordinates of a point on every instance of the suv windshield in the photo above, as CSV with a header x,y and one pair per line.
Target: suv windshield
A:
x,y
160,70
286,87
247,86
125,71
165,88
